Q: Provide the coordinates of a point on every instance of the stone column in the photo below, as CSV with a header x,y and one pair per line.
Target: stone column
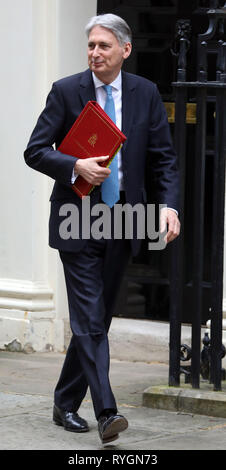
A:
x,y
41,41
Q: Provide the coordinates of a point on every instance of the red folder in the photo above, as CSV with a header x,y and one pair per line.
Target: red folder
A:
x,y
93,134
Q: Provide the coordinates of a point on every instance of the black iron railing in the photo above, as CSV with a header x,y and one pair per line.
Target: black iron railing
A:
x,y
200,89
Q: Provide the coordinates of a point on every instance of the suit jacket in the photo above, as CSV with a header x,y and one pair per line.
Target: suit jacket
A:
x,y
145,124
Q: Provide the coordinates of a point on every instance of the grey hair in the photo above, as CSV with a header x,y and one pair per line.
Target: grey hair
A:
x,y
115,23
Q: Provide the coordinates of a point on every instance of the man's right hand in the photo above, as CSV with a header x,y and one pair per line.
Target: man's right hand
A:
x,y
91,171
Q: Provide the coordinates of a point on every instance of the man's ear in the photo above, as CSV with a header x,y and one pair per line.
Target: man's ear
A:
x,y
127,50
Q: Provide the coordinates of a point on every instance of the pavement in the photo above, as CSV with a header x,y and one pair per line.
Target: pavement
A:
x,y
27,383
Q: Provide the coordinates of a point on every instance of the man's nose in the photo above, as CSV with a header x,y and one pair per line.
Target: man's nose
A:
x,y
96,51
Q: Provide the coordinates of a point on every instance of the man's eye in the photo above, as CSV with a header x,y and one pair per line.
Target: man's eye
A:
x,y
102,46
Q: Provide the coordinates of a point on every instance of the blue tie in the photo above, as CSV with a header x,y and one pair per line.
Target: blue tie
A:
x,y
110,187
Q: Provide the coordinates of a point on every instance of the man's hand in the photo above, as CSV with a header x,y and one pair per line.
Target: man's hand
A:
x,y
169,221
91,171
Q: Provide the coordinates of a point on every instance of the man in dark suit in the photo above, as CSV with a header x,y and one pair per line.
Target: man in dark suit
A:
x,y
93,267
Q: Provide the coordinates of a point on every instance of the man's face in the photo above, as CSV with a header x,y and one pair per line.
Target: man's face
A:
x,y
105,54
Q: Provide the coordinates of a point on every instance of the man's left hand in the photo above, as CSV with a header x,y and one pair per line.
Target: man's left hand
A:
x,y
169,221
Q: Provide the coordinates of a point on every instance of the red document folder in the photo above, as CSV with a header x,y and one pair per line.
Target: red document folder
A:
x,y
93,134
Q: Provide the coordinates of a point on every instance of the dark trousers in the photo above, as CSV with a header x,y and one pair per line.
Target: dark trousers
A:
x,y
93,277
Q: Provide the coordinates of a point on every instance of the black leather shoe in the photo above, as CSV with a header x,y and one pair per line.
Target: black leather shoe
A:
x,y
109,427
70,420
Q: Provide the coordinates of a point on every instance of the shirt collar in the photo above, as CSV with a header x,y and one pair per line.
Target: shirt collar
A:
x,y
117,83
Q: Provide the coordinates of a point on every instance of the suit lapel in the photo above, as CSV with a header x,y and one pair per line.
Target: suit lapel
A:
x,y
86,89
128,104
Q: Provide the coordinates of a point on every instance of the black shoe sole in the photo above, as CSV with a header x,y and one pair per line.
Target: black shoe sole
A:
x,y
59,423
110,439
118,425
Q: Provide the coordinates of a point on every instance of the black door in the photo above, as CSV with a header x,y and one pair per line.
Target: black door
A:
x,y
156,25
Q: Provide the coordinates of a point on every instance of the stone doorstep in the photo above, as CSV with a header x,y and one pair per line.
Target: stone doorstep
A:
x,y
138,340
187,400
141,340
